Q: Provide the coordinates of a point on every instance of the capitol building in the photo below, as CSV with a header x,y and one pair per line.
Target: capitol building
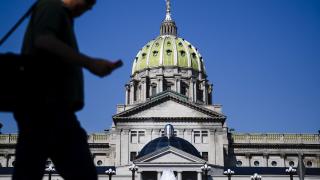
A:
x,y
169,123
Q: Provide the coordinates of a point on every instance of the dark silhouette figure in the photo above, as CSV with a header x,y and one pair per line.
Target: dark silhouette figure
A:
x,y
48,126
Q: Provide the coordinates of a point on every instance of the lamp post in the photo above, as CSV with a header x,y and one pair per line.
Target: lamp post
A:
x,y
205,168
291,171
256,177
50,169
228,173
133,168
110,172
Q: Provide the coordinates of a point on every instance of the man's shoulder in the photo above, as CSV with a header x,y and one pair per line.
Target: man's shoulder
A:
x,y
50,4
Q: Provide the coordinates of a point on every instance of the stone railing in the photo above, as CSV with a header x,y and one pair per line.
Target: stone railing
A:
x,y
8,138
276,138
98,138
92,138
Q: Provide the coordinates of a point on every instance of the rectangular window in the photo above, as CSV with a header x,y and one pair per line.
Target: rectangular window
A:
x,y
133,155
205,137
134,137
141,137
153,89
197,137
205,156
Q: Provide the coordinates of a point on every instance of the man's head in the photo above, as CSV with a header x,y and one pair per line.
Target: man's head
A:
x,y
78,7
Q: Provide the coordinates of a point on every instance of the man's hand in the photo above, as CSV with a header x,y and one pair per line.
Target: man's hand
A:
x,y
101,67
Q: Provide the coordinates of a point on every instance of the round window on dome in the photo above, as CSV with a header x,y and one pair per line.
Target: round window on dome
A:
x,y
169,43
183,53
157,44
291,163
169,52
309,163
155,53
239,163
194,55
274,163
144,55
180,44
99,163
256,163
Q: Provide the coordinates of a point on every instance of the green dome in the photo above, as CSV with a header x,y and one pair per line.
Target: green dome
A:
x,y
168,51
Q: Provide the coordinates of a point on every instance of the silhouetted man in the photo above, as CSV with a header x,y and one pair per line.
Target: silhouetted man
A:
x,y
48,127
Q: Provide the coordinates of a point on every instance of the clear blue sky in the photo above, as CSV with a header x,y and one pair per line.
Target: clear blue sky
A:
x,y
263,56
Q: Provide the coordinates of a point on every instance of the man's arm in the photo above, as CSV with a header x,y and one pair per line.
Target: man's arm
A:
x,y
99,67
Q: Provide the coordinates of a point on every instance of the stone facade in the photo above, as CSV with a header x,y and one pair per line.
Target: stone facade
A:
x,y
180,95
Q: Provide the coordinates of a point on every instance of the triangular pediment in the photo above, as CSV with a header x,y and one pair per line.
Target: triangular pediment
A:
x,y
168,105
169,108
169,155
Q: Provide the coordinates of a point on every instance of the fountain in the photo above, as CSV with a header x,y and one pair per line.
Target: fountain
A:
x,y
168,175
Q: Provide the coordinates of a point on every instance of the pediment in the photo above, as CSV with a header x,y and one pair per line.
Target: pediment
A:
x,y
170,155
168,105
169,108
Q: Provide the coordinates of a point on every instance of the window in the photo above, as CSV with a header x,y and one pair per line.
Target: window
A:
x,y
184,88
13,163
194,56
183,53
205,137
99,163
134,137
153,89
200,137
133,156
291,163
137,137
309,163
141,137
274,163
200,95
197,137
239,163
168,86
155,53
256,163
169,52
205,156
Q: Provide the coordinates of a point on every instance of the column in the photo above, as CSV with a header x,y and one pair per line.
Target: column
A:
x,y
160,84
143,89
127,94
179,175
205,92
158,175
191,90
178,83
131,92
195,90
199,175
